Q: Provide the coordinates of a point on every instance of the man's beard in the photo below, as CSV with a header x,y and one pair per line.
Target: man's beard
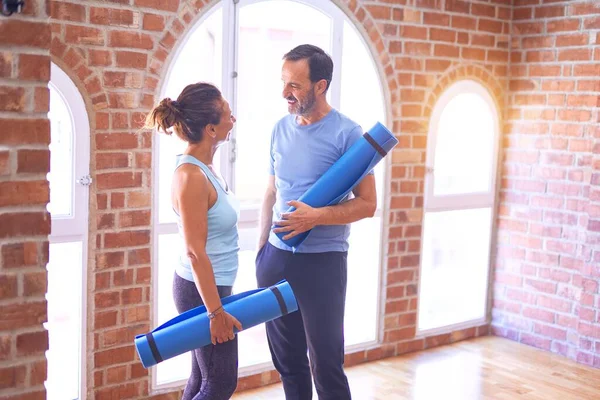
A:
x,y
306,106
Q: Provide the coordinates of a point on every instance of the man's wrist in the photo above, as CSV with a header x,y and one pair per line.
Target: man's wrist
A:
x,y
322,213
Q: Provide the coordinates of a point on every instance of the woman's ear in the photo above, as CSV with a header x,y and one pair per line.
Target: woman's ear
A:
x,y
211,131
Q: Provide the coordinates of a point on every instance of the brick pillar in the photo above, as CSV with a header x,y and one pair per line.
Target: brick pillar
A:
x,y
24,193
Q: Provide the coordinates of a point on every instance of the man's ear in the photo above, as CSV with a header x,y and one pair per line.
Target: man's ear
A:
x,y
322,86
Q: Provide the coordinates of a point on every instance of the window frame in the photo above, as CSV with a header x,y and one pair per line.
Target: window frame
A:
x,y
475,200
249,215
63,227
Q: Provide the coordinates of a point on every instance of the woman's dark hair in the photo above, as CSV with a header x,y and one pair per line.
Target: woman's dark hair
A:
x,y
319,62
198,105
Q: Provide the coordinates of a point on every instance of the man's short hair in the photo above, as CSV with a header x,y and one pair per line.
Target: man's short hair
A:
x,y
319,63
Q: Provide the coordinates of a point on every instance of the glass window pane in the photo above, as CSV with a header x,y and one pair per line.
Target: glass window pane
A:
x,y
200,59
454,267
169,147
361,299
266,33
362,294
169,246
467,122
61,159
253,347
64,320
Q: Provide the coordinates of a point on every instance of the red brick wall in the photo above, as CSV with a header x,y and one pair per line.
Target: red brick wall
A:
x,y
117,54
24,193
548,264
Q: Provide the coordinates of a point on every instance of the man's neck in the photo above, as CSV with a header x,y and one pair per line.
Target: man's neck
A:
x,y
317,114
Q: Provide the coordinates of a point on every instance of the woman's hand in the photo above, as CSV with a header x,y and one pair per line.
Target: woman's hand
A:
x,y
221,327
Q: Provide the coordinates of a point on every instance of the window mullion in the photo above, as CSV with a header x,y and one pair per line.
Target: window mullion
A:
x,y
229,62
337,44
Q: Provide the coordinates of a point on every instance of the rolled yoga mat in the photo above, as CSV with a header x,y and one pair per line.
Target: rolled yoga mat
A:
x,y
191,329
345,174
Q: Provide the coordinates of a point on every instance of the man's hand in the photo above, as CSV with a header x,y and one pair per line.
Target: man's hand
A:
x,y
302,219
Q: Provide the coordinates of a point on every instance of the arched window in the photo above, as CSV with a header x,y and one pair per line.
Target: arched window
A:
x,y
460,195
69,180
240,48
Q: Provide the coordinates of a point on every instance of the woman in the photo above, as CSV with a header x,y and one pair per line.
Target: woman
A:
x,y
207,214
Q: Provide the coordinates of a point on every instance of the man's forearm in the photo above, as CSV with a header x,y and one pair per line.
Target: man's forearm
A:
x,y
347,212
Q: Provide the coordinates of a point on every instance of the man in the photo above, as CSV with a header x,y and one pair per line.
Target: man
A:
x,y
304,145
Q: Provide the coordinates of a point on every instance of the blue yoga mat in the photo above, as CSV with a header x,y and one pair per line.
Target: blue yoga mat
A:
x,y
345,174
191,329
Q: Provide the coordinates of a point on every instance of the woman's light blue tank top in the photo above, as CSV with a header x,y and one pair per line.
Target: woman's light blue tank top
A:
x,y
222,237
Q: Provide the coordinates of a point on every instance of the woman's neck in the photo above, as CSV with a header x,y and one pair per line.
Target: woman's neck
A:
x,y
202,151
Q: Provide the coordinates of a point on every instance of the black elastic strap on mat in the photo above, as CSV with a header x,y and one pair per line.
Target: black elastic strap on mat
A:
x,y
375,145
153,348
280,300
